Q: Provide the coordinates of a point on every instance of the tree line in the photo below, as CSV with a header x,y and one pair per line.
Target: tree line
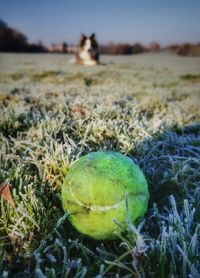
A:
x,y
11,40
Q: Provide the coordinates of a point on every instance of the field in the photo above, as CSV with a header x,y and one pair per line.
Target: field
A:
x,y
53,112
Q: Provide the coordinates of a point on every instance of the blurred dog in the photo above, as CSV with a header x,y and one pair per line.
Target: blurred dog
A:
x,y
88,53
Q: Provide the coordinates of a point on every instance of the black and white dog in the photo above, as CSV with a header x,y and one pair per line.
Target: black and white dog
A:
x,y
88,53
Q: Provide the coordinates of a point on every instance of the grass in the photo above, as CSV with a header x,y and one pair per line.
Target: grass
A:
x,y
191,77
52,113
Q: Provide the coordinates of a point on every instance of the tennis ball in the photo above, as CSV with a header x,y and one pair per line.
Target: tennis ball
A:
x,y
94,193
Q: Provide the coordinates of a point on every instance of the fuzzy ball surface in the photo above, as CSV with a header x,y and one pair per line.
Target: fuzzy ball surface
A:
x,y
94,193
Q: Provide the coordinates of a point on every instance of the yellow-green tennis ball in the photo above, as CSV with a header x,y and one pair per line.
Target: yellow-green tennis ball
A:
x,y
94,193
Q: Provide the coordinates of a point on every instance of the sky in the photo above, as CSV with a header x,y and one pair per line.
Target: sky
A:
x,y
144,21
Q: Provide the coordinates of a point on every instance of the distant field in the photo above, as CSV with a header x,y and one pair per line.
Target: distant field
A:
x,y
53,112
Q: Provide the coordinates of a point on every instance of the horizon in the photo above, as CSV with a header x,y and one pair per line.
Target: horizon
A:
x,y
113,21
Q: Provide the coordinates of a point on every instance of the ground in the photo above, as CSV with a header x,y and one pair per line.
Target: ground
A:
x,y
51,113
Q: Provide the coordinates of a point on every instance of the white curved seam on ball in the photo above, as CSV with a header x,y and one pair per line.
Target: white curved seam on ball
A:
x,y
98,208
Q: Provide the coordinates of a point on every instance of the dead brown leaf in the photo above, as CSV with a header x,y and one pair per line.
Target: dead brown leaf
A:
x,y
6,194
79,109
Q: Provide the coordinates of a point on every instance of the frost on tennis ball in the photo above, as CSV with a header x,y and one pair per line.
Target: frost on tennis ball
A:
x,y
94,193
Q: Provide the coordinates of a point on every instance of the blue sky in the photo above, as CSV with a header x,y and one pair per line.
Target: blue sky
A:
x,y
113,20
